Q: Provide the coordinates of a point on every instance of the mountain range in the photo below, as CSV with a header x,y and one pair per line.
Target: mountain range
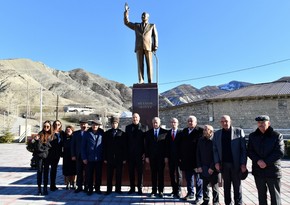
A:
x,y
25,81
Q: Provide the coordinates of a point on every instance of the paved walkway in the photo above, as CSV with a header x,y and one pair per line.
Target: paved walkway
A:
x,y
18,185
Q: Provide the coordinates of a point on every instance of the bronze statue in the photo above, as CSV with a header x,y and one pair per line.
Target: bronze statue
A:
x,y
146,42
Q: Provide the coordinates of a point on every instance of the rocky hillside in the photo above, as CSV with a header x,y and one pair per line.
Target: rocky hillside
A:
x,y
22,79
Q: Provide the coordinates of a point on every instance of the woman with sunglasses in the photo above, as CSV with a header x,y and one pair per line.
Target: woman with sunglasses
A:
x,y
55,152
41,149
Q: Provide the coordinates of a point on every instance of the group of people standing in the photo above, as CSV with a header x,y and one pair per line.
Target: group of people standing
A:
x,y
203,155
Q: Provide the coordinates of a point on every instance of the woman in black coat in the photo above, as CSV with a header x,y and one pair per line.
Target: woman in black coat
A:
x,y
69,165
41,148
55,152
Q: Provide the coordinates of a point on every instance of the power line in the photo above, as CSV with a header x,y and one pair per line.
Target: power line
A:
x,y
225,73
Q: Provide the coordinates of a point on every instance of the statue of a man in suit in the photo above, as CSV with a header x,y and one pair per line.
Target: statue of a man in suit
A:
x,y
146,42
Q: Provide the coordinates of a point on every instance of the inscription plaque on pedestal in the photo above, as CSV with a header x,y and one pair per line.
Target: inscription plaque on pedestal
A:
x,y
146,102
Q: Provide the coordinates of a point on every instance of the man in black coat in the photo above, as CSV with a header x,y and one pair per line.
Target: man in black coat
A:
x,y
76,147
265,149
174,167
187,146
157,149
206,166
135,133
115,151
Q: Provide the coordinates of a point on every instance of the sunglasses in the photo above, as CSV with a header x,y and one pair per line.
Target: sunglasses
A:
x,y
46,126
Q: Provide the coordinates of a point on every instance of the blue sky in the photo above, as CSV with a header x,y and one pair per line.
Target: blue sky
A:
x,y
197,38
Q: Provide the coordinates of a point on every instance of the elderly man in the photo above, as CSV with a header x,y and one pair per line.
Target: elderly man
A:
x,y
136,151
187,148
146,42
156,153
230,158
265,149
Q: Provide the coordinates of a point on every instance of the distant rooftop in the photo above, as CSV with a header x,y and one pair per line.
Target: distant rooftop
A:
x,y
276,88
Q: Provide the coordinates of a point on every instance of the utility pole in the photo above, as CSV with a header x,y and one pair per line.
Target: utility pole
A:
x,y
26,111
57,99
40,117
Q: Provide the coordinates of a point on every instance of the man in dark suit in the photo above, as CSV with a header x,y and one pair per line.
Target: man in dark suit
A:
x,y
174,168
187,149
135,133
115,154
76,147
230,157
157,150
146,42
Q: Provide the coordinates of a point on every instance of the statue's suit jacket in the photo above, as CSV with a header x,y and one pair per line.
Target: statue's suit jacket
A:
x,y
238,147
147,38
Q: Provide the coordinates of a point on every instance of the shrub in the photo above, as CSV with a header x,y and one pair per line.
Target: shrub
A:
x,y
7,137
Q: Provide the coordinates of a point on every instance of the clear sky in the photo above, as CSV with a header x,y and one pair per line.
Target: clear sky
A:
x,y
201,42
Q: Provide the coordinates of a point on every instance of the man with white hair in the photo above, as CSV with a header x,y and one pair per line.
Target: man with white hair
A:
x,y
230,158
187,148
156,153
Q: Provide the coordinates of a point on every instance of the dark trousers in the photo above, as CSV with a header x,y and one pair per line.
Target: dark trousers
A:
x,y
136,164
80,173
118,168
42,169
175,176
53,170
94,172
190,176
231,176
273,185
157,174
206,182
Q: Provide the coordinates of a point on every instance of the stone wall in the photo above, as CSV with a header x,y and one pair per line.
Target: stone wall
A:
x,y
242,112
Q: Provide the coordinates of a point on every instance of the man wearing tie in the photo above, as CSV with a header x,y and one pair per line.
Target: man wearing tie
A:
x,y
76,147
187,149
156,153
174,168
146,42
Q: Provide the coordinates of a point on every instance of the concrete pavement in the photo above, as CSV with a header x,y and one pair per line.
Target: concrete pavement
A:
x,y
18,185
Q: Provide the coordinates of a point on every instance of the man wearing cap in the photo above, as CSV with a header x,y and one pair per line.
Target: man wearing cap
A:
x,y
92,155
76,146
135,133
114,155
230,158
265,149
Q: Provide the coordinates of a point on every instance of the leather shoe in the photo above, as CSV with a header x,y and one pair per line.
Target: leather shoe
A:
x,y
140,192
131,191
197,202
53,188
89,193
78,190
153,194
98,192
108,193
189,197
161,195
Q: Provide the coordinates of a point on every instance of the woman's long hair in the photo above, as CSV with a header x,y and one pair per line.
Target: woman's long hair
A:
x,y
45,135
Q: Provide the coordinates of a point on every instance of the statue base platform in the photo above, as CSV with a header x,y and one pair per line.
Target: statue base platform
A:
x,y
145,102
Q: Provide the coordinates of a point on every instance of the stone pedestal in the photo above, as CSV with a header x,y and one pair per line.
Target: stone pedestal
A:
x,y
145,102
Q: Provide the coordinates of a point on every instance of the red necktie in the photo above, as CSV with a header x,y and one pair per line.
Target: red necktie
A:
x,y
172,135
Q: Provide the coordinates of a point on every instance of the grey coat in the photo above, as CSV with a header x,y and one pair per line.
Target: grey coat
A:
x,y
238,146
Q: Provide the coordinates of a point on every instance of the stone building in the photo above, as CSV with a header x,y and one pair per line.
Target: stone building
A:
x,y
242,105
